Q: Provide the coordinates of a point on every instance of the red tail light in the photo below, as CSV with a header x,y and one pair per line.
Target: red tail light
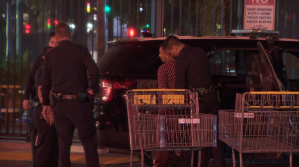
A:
x,y
109,88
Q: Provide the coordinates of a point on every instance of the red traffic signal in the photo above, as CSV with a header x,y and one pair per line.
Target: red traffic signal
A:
x,y
27,28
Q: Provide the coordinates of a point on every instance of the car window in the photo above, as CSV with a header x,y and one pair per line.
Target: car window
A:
x,y
237,62
128,60
112,57
291,63
140,61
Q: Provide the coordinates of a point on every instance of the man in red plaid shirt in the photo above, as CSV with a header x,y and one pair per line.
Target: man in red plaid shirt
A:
x,y
166,80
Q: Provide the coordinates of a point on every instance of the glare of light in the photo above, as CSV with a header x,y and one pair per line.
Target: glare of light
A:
x,y
72,26
131,32
141,9
88,29
164,29
142,30
147,31
219,26
27,26
88,7
95,17
3,15
107,8
49,26
56,21
147,26
89,25
27,31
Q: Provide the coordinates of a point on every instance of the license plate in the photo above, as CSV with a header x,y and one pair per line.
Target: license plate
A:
x,y
147,84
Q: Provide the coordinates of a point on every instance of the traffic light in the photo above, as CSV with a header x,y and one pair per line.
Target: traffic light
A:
x,y
49,23
56,21
131,33
27,28
107,8
147,25
88,7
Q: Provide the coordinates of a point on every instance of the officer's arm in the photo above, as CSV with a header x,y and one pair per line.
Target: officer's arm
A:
x,y
30,81
180,75
46,83
93,71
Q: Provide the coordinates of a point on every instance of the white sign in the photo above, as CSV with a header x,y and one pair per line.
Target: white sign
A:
x,y
259,14
189,120
246,115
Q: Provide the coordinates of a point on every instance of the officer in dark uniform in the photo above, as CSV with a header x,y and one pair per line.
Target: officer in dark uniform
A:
x,y
65,71
29,90
46,141
193,72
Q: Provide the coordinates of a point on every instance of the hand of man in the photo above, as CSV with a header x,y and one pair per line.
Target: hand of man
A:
x,y
48,114
26,104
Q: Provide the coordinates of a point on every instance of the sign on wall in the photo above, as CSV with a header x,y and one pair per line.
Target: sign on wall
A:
x,y
259,14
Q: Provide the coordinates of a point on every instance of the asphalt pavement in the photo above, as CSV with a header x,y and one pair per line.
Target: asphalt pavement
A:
x,y
18,154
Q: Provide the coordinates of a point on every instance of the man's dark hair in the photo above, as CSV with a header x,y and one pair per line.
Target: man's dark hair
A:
x,y
51,34
46,50
172,41
62,30
162,46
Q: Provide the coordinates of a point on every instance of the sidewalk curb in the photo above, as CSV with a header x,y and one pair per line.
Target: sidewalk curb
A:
x,y
15,146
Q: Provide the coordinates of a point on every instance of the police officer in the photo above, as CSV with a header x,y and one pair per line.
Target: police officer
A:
x,y
46,141
65,71
29,90
192,71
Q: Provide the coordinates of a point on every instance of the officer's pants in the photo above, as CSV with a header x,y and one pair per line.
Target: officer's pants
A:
x,y
69,114
46,142
207,104
33,138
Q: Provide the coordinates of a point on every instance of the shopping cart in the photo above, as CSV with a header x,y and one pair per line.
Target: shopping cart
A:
x,y
262,122
168,119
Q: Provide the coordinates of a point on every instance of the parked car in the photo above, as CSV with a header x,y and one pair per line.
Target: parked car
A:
x,y
258,62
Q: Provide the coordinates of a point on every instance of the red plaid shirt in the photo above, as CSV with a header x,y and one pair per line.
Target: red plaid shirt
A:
x,y
166,75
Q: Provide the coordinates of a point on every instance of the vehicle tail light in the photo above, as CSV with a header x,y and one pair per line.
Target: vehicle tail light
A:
x,y
109,88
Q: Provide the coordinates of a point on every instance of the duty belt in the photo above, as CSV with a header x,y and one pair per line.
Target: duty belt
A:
x,y
36,104
205,90
69,97
60,96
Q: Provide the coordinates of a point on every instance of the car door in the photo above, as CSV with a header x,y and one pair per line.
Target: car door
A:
x,y
239,70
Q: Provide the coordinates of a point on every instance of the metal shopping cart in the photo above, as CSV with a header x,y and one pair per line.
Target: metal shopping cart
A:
x,y
168,119
262,122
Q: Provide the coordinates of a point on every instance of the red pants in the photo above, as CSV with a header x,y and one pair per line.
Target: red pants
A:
x,y
161,158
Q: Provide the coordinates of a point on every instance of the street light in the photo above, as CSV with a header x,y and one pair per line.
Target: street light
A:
x,y
72,26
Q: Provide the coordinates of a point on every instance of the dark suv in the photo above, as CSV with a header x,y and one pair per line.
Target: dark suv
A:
x,y
259,61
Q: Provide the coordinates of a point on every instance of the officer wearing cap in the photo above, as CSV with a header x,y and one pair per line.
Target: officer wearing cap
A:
x,y
193,72
65,70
